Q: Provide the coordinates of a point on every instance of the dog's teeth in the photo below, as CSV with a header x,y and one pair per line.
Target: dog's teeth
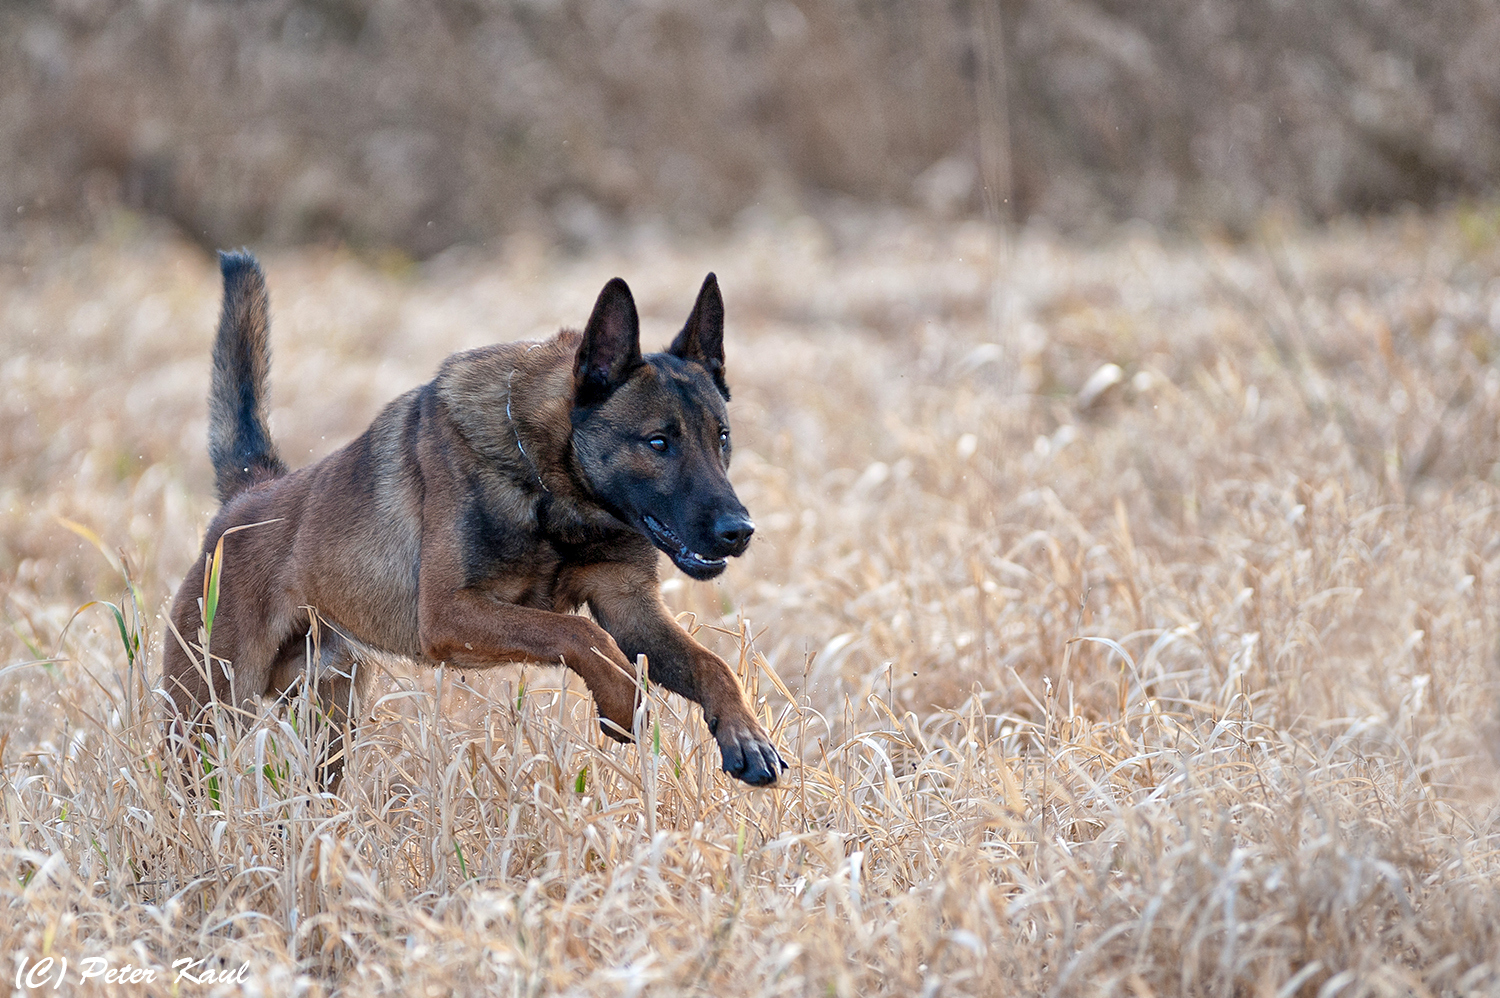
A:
x,y
683,555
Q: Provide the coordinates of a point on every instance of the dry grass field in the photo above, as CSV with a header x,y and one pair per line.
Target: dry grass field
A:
x,y
1177,677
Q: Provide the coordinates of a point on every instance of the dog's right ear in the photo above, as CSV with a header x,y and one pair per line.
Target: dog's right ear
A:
x,y
611,346
702,339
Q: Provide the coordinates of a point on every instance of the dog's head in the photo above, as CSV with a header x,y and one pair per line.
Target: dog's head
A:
x,y
652,433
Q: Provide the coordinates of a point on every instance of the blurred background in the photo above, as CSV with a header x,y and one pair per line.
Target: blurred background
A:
x,y
419,125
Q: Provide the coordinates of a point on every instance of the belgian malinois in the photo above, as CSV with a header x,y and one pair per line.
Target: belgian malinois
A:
x,y
467,523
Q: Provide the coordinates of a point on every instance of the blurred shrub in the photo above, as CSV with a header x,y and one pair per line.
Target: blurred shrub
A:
x,y
422,123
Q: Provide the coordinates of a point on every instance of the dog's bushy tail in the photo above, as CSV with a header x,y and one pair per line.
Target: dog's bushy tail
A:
x,y
239,440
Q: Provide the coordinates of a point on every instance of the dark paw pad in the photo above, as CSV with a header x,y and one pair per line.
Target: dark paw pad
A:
x,y
752,759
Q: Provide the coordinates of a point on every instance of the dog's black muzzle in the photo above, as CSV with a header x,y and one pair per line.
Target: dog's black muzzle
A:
x,y
728,537
732,534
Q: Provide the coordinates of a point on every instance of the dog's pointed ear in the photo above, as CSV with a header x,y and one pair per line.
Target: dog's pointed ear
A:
x,y
611,346
702,339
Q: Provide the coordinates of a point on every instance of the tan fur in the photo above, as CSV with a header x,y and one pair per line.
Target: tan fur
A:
x,y
379,539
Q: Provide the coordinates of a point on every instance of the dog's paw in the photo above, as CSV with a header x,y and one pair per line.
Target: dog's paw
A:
x,y
613,730
748,753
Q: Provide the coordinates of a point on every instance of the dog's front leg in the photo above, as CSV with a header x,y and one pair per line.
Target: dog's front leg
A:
x,y
631,611
468,629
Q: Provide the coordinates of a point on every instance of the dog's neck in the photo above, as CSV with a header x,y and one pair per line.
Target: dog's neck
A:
x,y
538,397
510,394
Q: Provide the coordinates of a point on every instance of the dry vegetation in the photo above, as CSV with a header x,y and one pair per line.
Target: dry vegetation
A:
x,y
1172,678
425,124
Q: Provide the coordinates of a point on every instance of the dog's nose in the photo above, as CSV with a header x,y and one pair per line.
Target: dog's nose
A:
x,y
733,530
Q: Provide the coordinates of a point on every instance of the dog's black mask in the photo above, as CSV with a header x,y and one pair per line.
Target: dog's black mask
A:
x,y
652,433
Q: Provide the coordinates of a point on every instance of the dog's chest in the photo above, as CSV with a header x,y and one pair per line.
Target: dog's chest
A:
x,y
526,549
546,577
498,542
515,559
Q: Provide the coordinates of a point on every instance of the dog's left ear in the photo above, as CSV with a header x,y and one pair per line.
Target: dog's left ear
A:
x,y
702,339
611,346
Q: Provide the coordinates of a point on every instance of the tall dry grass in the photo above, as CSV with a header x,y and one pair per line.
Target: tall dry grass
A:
x,y
456,121
1177,677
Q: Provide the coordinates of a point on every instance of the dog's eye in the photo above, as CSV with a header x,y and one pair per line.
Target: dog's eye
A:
x,y
658,443
723,439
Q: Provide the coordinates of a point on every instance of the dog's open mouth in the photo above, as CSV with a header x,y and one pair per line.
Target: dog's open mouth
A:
x,y
691,562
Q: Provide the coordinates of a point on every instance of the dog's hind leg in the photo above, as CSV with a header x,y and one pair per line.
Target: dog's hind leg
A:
x,y
330,714
338,705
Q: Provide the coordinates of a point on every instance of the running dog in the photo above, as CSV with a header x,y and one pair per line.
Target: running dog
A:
x,y
466,524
